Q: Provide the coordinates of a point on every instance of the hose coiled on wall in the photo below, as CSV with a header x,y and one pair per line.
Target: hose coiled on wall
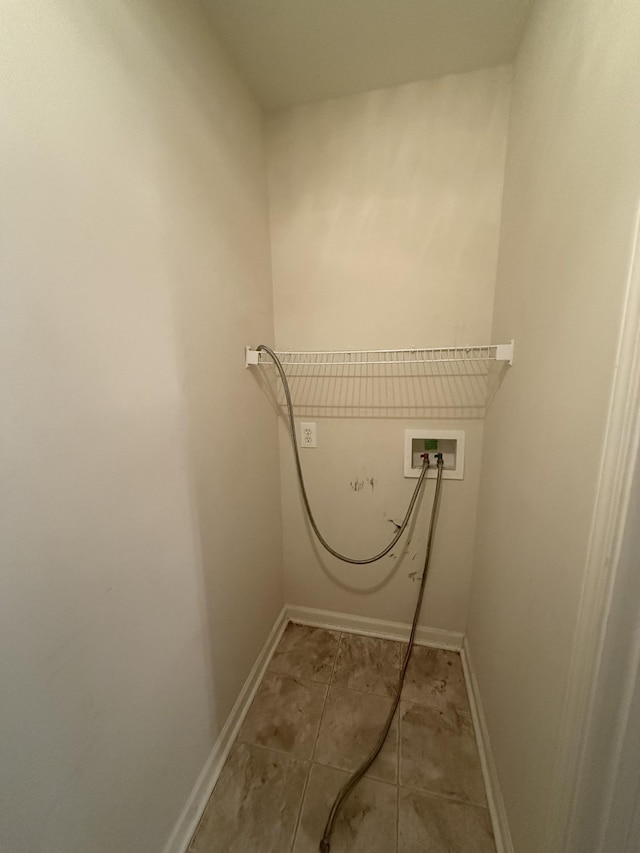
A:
x,y
303,489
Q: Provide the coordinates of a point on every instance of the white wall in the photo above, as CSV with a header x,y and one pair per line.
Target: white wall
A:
x,y
607,814
571,192
385,212
137,453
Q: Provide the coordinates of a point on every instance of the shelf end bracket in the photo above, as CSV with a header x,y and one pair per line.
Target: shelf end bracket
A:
x,y
251,356
504,352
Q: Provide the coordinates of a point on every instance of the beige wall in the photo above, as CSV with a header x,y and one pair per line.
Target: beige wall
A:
x,y
136,450
385,212
571,191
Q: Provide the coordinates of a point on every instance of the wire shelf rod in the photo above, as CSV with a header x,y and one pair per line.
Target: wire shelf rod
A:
x,y
410,355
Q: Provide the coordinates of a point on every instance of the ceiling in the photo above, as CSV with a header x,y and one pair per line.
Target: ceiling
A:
x,y
296,51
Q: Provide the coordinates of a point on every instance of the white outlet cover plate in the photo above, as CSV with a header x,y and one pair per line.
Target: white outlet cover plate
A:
x,y
449,473
308,435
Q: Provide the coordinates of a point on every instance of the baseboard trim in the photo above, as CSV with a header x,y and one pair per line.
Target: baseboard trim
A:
x,y
434,637
501,832
190,817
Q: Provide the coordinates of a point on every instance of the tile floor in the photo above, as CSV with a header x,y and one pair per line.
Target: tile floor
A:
x,y
317,713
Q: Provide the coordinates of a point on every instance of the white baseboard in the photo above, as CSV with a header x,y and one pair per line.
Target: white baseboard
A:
x,y
497,809
188,821
435,637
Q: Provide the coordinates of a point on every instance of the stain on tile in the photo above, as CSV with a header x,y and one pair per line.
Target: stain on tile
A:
x,y
366,823
255,804
306,652
436,825
438,753
435,678
285,715
350,728
368,664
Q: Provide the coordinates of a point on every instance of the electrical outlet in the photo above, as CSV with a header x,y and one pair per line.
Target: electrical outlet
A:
x,y
308,436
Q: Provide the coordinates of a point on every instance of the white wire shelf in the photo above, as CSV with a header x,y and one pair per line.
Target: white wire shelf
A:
x,y
386,357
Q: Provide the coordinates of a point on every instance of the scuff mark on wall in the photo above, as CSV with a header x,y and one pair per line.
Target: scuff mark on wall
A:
x,y
357,485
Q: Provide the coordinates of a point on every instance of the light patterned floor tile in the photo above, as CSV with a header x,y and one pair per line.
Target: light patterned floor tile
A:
x,y
435,678
428,824
438,753
367,822
368,664
350,727
306,653
254,806
285,715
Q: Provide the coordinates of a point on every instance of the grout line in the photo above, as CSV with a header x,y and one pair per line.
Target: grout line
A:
x,y
399,713
450,706
315,742
276,751
300,807
362,692
326,697
448,797
374,779
299,677
302,678
350,773
400,739
398,808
